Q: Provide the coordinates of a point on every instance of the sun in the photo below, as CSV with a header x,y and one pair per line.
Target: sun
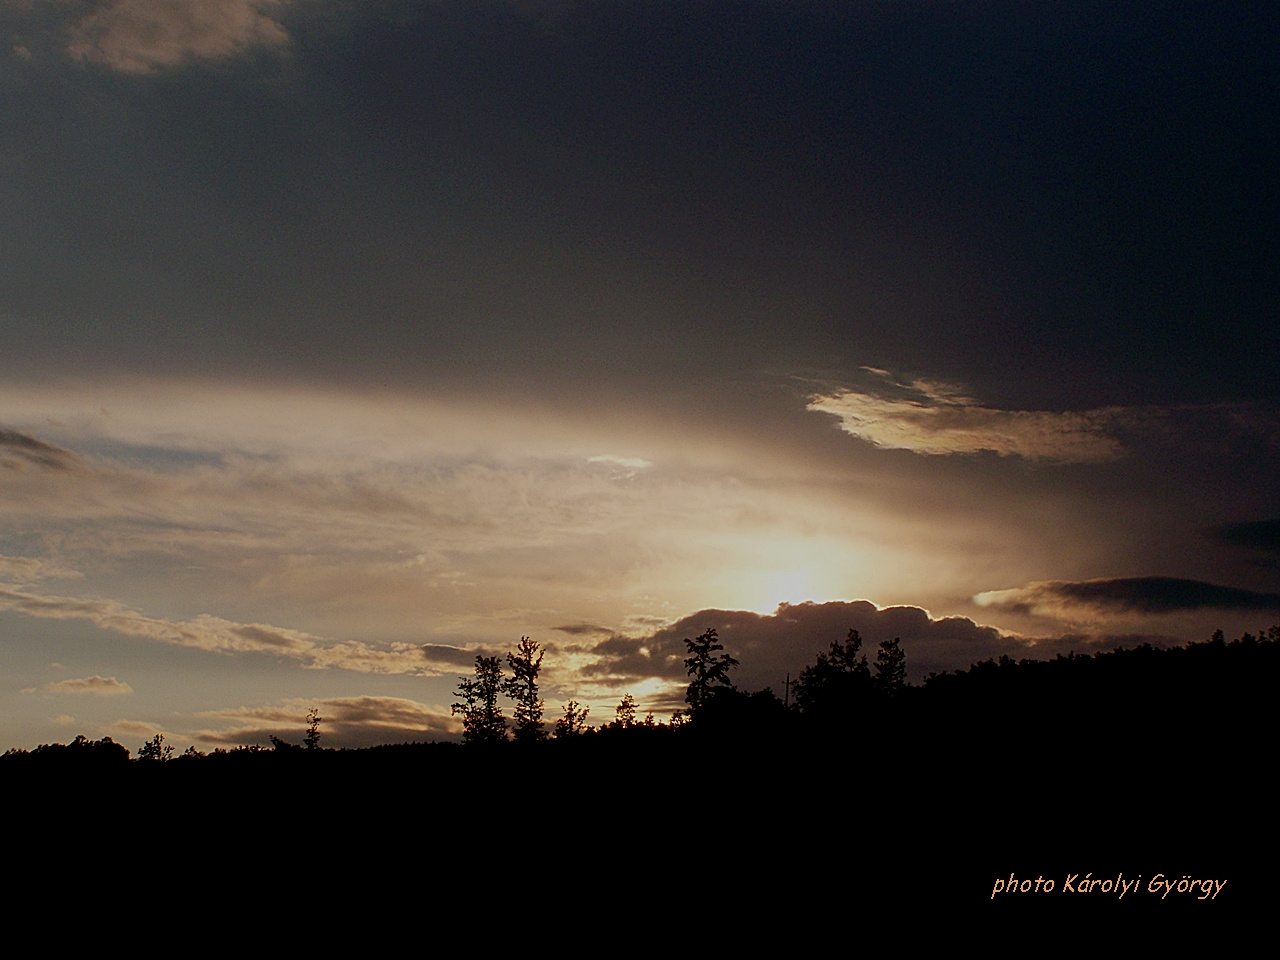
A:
x,y
761,591
793,585
756,572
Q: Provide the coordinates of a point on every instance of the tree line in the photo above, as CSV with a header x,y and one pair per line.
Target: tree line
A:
x,y
838,676
839,692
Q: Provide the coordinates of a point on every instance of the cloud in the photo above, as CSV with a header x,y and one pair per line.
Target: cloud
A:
x,y
770,646
29,569
582,629
136,728
225,636
1263,535
19,451
139,36
635,463
446,656
388,514
99,686
372,518
1126,595
345,722
934,418
630,466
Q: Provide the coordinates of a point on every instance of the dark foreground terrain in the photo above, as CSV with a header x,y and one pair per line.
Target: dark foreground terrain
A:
x,y
1003,792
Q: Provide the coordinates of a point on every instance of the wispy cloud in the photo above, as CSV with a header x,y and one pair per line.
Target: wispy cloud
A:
x,y
99,686
18,451
139,36
1124,595
935,418
391,514
625,467
135,728
30,569
225,636
635,463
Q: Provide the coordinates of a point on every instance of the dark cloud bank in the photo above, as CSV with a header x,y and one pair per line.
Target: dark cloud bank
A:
x,y
1262,535
773,645
1147,595
1084,190
784,642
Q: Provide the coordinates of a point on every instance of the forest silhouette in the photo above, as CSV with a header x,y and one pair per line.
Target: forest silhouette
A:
x,y
855,781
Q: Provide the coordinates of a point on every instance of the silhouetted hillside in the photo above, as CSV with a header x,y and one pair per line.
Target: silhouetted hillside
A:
x,y
1133,762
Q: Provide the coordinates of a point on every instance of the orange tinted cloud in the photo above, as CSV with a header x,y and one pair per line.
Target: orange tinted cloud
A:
x,y
99,686
139,36
936,419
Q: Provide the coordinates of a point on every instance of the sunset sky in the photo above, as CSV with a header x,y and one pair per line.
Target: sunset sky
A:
x,y
342,340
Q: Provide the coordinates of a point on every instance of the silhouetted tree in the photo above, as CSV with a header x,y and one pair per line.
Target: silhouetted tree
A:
x,y
837,680
625,717
754,714
707,672
312,739
154,749
81,753
482,719
891,667
522,687
573,722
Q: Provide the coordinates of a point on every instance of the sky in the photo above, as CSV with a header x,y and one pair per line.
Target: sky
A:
x,y
342,342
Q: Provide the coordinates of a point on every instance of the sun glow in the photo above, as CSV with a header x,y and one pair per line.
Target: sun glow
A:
x,y
791,570
789,586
